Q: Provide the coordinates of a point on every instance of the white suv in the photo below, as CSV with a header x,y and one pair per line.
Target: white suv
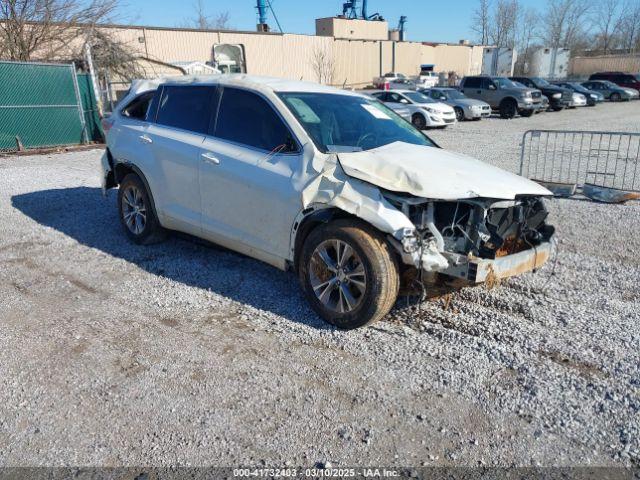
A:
x,y
329,183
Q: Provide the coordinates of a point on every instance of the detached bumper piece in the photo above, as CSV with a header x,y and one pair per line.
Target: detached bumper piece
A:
x,y
478,270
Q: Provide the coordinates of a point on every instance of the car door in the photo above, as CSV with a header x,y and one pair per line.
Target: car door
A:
x,y
175,138
247,163
490,92
473,88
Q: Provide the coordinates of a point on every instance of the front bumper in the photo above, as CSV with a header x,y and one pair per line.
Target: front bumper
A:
x,y
470,114
478,270
529,105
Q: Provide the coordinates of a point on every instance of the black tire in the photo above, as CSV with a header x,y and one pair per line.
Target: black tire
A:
x,y
459,114
419,121
615,97
508,108
526,113
558,109
375,260
146,228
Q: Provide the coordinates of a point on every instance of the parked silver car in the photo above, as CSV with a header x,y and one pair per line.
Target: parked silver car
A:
x,y
325,182
466,108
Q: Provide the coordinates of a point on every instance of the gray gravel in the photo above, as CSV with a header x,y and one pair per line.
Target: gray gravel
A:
x,y
184,354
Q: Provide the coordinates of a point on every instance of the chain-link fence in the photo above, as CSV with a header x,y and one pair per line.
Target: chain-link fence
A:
x,y
45,105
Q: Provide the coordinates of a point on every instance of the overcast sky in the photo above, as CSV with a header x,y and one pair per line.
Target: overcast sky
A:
x,y
429,20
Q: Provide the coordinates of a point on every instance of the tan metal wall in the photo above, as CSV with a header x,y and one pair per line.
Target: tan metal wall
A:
x,y
355,62
584,66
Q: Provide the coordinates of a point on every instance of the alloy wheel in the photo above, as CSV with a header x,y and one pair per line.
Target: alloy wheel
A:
x,y
337,276
134,210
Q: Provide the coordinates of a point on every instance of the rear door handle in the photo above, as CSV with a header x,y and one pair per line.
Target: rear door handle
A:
x,y
146,139
211,158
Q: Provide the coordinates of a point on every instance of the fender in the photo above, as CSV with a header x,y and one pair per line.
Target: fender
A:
x,y
128,166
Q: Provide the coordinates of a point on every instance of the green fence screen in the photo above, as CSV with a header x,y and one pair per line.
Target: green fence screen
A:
x,y
44,105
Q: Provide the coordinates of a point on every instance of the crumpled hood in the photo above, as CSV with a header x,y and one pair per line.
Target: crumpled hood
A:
x,y
434,173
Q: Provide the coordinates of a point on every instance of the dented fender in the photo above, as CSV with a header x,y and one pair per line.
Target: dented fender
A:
x,y
333,188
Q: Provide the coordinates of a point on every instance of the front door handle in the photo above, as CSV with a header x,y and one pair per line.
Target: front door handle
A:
x,y
146,139
211,158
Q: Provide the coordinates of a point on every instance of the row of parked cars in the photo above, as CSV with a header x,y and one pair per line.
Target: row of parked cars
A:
x,y
478,96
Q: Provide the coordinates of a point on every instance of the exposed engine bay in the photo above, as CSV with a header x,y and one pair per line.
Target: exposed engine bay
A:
x,y
475,228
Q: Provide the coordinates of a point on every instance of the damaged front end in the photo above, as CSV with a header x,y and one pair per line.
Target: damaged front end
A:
x,y
474,239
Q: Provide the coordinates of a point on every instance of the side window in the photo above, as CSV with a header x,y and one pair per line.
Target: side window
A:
x,y
393,97
486,82
186,107
247,118
473,82
138,107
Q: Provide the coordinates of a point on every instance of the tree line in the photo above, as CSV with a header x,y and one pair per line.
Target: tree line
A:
x,y
583,26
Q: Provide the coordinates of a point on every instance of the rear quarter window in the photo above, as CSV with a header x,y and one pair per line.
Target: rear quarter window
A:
x,y
138,107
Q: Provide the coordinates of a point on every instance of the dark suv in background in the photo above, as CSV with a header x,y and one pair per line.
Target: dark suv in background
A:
x,y
626,80
559,98
503,95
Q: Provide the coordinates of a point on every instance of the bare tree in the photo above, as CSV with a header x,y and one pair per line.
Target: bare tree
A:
x,y
502,31
606,18
203,21
41,29
629,26
565,23
527,33
323,65
480,21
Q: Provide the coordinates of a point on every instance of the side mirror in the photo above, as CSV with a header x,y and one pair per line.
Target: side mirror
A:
x,y
443,97
492,87
404,101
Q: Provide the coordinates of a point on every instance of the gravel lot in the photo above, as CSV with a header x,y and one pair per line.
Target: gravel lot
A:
x,y
186,354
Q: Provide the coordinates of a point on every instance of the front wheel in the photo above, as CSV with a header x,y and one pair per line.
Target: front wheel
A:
x,y
459,114
419,121
348,273
508,109
526,113
615,97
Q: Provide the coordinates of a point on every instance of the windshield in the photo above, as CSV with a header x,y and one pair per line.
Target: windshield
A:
x,y
540,81
504,82
338,122
417,97
637,77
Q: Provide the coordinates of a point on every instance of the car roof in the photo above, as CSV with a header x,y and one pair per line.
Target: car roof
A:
x,y
253,82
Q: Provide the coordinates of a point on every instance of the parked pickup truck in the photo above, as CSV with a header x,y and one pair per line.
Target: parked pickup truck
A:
x,y
503,95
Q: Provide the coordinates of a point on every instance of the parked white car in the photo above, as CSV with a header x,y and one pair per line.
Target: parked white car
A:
x,y
427,80
425,111
326,182
394,81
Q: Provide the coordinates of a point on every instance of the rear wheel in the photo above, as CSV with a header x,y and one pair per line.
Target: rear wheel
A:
x,y
348,273
419,121
459,113
137,214
508,108
615,97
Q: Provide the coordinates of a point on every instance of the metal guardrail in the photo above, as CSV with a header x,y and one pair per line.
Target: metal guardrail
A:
x,y
603,159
